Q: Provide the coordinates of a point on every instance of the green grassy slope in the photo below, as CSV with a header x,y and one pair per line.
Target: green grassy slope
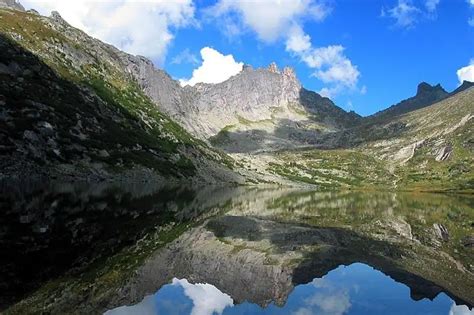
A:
x,y
67,101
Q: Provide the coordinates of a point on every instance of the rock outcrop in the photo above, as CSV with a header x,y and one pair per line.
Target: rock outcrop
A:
x,y
11,4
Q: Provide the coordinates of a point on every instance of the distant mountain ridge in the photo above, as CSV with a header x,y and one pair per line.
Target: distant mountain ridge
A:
x,y
426,95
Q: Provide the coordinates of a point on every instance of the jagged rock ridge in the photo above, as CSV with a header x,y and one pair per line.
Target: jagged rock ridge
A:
x,y
252,95
426,95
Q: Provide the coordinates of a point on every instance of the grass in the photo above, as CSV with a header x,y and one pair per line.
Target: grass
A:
x,y
124,114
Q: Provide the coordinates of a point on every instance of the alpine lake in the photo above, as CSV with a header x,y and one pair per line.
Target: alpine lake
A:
x,y
157,249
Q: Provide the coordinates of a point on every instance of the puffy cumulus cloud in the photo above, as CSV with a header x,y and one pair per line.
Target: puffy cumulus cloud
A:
x,y
330,64
207,299
298,41
142,27
460,310
215,68
274,20
270,19
466,73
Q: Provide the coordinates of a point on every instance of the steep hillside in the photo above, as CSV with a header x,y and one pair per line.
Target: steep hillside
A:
x,y
428,149
69,107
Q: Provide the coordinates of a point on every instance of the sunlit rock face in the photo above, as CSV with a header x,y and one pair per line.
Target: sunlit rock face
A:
x,y
11,4
251,96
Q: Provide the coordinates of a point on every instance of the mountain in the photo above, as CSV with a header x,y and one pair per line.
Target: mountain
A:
x,y
426,95
426,149
464,86
75,106
11,4
70,108
253,96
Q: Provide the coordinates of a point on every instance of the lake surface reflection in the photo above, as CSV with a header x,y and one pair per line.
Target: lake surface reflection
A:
x,y
354,289
160,249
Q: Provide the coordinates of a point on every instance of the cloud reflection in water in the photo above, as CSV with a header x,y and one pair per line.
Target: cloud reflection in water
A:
x,y
354,289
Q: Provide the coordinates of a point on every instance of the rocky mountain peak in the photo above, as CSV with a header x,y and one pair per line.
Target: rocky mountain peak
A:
x,y
273,68
426,95
58,18
425,88
247,67
11,4
289,72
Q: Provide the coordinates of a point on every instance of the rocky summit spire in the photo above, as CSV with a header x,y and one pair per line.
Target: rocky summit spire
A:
x,y
289,72
425,88
11,4
58,18
273,68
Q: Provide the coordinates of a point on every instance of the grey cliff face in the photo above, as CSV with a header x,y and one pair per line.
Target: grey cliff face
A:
x,y
253,95
11,4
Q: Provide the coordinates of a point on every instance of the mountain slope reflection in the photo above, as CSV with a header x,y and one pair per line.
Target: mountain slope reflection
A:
x,y
257,246
354,289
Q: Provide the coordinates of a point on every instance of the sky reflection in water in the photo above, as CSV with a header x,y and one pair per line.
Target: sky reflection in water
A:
x,y
354,289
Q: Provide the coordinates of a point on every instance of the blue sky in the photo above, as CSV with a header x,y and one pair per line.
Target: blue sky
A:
x,y
364,54
353,289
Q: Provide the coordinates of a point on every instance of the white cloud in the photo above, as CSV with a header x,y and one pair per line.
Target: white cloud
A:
x,y
207,299
404,13
460,310
466,73
270,19
274,20
431,5
330,64
471,19
215,68
297,41
142,27
330,92
328,299
185,56
337,68
335,303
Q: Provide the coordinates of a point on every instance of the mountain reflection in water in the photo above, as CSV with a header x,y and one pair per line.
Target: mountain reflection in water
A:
x,y
232,250
354,289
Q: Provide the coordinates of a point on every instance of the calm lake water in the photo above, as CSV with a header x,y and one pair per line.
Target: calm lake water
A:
x,y
154,249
